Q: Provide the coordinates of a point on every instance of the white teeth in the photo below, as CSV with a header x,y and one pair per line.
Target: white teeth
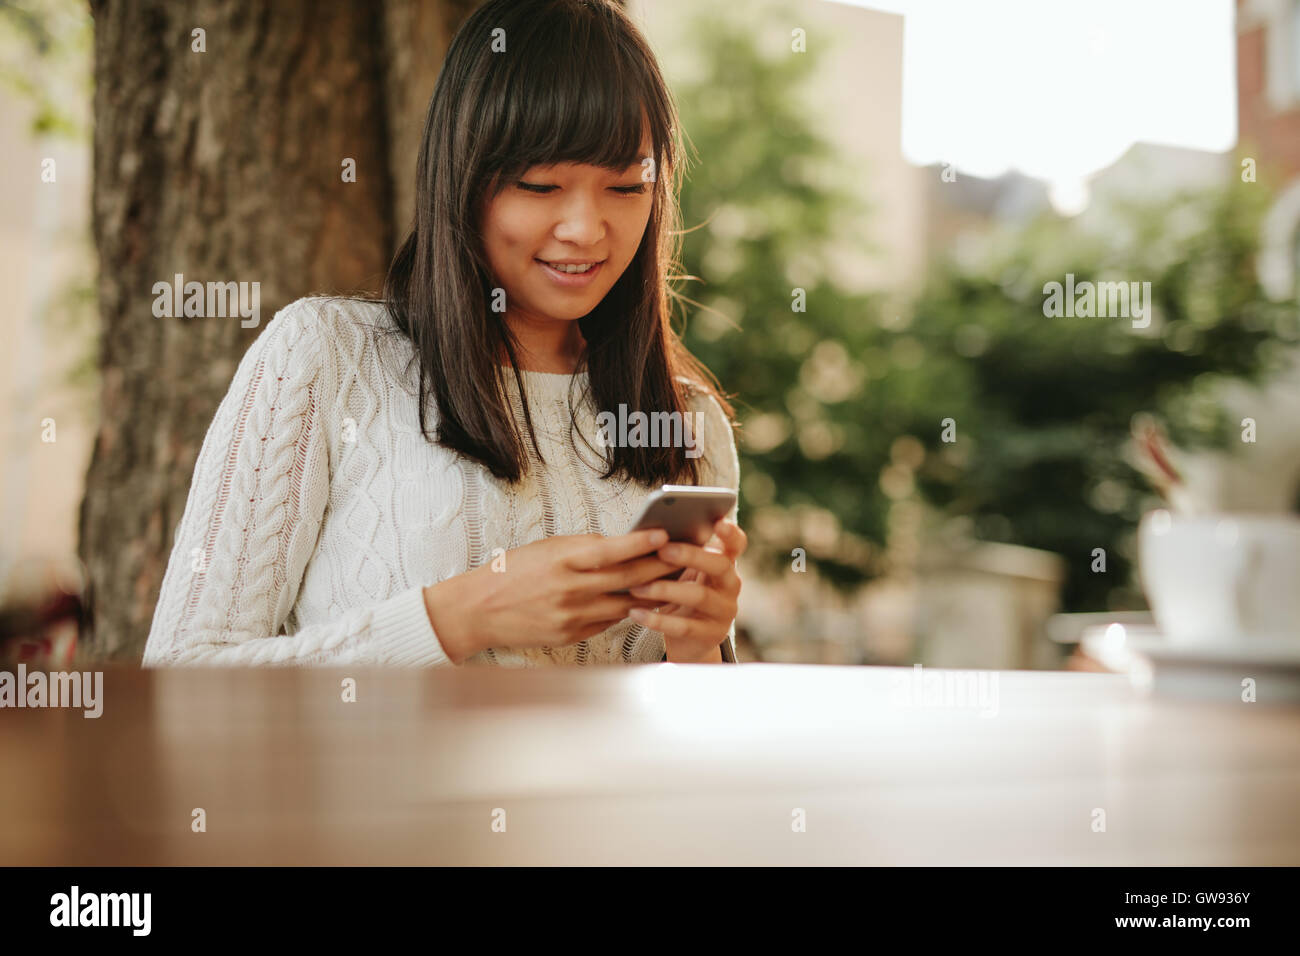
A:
x,y
572,269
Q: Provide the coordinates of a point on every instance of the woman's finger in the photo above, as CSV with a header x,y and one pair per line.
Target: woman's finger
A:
x,y
678,627
694,596
690,574
734,540
600,551
713,563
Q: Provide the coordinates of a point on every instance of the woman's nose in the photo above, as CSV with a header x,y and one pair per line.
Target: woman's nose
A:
x,y
581,222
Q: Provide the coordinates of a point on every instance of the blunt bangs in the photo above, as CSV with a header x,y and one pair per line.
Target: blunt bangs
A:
x,y
586,104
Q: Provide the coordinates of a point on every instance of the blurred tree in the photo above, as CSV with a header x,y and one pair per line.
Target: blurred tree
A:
x,y
843,404
1044,405
44,46
220,133
761,208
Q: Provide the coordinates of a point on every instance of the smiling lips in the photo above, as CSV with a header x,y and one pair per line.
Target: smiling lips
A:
x,y
571,266
571,274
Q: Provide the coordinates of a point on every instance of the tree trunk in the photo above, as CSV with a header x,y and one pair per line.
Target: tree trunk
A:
x,y
417,34
226,166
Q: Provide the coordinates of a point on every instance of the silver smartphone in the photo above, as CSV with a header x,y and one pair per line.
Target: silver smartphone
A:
x,y
687,512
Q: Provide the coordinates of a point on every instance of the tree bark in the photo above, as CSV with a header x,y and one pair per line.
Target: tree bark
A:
x,y
226,166
416,37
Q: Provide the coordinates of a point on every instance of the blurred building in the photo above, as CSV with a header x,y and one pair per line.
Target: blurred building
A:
x,y
961,212
1268,83
1264,476
1268,118
1149,170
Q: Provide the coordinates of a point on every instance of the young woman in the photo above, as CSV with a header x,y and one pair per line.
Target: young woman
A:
x,y
420,479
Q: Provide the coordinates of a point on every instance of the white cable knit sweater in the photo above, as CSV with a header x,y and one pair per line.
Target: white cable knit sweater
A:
x,y
318,512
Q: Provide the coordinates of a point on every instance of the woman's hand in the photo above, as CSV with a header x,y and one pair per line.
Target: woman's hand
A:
x,y
706,595
554,592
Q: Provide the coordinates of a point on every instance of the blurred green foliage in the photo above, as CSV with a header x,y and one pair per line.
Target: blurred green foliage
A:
x,y
46,50
844,403
47,59
1045,404
761,206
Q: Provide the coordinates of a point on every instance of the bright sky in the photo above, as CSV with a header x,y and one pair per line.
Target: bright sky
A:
x,y
1058,89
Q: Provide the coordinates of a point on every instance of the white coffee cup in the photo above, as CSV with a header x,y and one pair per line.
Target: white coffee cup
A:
x,y
1219,578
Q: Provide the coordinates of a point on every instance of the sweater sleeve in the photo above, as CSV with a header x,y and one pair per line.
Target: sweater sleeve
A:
x,y
720,467
251,523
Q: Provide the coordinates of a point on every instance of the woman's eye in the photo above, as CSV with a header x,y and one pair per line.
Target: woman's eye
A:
x,y
543,190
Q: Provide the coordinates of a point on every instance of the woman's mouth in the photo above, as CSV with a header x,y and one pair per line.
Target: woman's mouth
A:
x,y
570,275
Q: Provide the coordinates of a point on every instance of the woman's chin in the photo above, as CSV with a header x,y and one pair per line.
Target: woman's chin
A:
x,y
569,309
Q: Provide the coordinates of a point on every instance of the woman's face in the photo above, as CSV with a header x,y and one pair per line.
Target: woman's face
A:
x,y
565,213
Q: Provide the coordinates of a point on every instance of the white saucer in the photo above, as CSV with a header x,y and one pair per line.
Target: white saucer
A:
x,y
1216,670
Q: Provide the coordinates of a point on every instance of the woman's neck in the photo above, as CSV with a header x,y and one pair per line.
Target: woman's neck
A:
x,y
545,346
551,364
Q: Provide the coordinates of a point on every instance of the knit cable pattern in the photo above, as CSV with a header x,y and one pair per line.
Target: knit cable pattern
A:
x,y
318,513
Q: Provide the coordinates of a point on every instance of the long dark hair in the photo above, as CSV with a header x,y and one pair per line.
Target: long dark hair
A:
x,y
575,84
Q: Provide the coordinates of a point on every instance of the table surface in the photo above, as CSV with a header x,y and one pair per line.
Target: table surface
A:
x,y
657,763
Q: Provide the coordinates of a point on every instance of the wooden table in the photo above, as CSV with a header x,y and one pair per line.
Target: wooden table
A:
x,y
660,764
